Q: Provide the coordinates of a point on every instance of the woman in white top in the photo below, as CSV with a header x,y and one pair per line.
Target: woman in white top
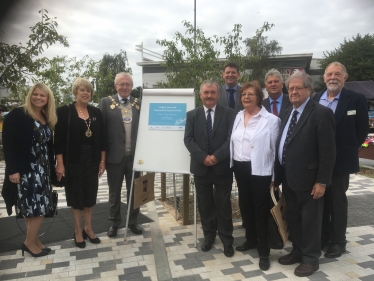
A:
x,y
252,153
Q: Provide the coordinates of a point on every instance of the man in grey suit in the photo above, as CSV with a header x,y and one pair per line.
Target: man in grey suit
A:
x,y
207,138
304,164
121,119
229,93
277,102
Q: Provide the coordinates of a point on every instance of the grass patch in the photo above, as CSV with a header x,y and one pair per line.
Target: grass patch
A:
x,y
366,172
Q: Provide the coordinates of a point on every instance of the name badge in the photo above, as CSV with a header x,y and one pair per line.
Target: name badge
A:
x,y
351,112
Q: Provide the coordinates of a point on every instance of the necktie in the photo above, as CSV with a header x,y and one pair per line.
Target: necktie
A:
x,y
231,98
125,101
209,130
288,136
275,110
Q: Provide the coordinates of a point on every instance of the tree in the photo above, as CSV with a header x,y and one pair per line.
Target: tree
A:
x,y
109,66
357,55
188,64
18,63
60,72
259,52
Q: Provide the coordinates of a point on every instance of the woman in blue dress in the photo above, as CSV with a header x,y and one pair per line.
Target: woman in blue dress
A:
x,y
28,153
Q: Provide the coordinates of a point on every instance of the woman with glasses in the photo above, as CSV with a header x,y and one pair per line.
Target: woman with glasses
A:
x,y
80,156
252,153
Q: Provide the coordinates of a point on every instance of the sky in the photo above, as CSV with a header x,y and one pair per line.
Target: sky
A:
x,y
95,27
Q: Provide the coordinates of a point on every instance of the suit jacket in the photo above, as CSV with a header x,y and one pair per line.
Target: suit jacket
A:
x,y
223,100
351,130
262,143
115,130
285,105
310,153
61,133
196,140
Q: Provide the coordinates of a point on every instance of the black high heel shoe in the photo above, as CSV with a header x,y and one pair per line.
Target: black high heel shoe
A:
x,y
95,240
46,249
79,244
25,249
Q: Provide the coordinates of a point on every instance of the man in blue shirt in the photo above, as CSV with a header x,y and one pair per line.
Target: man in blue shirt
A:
x,y
352,126
277,102
229,93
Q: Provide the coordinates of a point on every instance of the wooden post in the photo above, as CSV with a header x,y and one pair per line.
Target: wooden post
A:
x,y
186,199
163,186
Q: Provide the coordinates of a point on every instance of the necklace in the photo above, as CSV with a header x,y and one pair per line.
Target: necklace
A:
x,y
80,113
88,124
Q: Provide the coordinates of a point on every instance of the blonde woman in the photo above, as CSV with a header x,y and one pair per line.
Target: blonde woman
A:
x,y
81,158
28,153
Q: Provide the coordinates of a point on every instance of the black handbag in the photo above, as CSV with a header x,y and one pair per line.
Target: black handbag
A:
x,y
54,200
54,180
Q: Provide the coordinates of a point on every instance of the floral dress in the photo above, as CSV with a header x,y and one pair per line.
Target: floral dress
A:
x,y
34,189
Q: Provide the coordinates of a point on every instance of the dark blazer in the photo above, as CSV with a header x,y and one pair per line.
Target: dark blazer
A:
x,y
351,130
115,130
61,133
18,132
310,154
196,140
285,105
223,100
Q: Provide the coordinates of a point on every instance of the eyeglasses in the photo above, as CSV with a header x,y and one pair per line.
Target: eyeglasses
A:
x,y
248,95
127,85
297,89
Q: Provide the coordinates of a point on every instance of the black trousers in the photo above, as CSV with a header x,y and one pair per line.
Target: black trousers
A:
x,y
213,196
335,212
116,173
304,218
254,203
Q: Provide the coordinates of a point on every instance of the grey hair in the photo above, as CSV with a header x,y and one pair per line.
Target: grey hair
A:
x,y
126,74
302,76
339,64
208,83
273,72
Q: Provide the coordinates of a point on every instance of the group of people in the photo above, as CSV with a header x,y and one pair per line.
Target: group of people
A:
x,y
306,143
86,141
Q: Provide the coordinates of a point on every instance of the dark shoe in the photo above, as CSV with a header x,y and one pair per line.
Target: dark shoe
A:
x,y
246,246
135,229
289,259
206,246
112,232
46,249
335,251
264,264
95,240
305,269
25,249
79,244
228,250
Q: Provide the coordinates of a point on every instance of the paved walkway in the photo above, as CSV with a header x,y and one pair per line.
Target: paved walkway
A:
x,y
165,251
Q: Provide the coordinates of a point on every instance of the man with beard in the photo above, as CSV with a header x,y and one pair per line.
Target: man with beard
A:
x,y
352,126
277,102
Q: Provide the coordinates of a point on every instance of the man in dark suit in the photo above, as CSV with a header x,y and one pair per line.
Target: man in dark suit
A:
x,y
207,138
229,95
121,119
277,102
304,163
352,126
